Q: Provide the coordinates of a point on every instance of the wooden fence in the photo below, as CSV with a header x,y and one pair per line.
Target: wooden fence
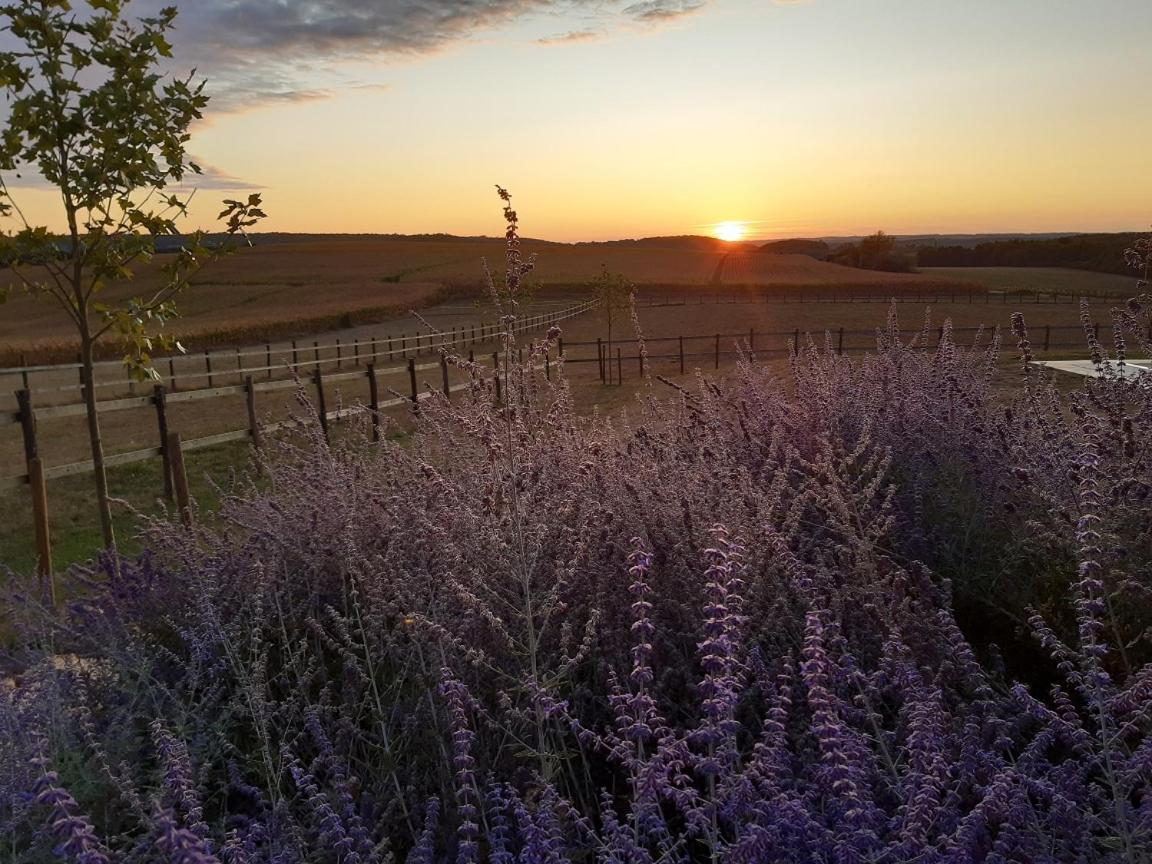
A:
x,y
176,372
677,351
170,448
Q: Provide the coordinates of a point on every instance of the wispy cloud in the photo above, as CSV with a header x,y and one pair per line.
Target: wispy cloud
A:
x,y
257,52
589,35
663,10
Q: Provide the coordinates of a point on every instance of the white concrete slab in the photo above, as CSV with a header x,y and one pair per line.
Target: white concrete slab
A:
x,y
1089,370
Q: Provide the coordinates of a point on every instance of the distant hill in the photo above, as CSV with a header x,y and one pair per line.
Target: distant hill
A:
x,y
817,249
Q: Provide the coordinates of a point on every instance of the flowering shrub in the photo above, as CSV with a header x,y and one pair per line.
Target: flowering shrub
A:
x,y
725,626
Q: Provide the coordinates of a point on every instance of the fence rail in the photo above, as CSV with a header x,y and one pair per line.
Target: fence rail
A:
x,y
783,343
296,355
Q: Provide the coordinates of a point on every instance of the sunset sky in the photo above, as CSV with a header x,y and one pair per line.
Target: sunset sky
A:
x,y
622,119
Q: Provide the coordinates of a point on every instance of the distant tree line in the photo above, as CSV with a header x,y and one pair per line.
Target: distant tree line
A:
x,y
877,251
1100,252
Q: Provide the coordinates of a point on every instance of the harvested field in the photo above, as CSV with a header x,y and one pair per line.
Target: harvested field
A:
x,y
759,268
276,290
1040,279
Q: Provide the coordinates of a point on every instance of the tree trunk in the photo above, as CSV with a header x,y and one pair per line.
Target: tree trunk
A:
x,y
96,442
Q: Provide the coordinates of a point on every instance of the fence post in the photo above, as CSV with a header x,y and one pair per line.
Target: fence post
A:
x,y
620,366
161,405
208,365
339,354
239,365
600,357
27,424
374,401
1047,335
179,477
172,373
321,405
840,344
268,359
751,338
444,376
295,357
717,358
640,359
412,381
796,342
681,355
560,347
316,353
496,372
39,486
250,398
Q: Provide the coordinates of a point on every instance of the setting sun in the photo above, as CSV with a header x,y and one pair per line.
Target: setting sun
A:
x,y
730,231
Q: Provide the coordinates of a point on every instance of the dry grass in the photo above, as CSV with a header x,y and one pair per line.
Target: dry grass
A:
x,y
1038,279
757,268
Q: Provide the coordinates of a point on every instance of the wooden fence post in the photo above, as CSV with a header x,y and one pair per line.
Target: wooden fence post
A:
x,y
295,357
412,381
600,357
250,399
321,405
268,360
339,355
161,405
39,486
208,365
717,351
444,377
1047,335
374,401
620,366
681,355
172,374
316,353
239,365
179,477
496,373
27,424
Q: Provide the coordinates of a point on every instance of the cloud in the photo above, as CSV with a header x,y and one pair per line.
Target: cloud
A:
x,y
588,35
257,52
213,178
663,10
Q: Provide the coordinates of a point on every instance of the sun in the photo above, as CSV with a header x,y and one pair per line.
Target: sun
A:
x,y
730,231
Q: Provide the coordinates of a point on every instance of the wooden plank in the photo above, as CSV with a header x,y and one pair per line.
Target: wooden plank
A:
x,y
213,440
109,461
206,393
105,407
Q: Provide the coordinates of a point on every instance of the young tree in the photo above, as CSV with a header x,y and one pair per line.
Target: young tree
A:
x,y
613,291
91,111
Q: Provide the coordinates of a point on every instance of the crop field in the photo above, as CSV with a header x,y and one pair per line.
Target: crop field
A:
x,y
1042,279
282,289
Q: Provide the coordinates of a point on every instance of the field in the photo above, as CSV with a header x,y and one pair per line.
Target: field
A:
x,y
278,290
1042,279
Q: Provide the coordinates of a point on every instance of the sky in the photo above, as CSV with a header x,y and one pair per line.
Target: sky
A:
x,y
628,118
